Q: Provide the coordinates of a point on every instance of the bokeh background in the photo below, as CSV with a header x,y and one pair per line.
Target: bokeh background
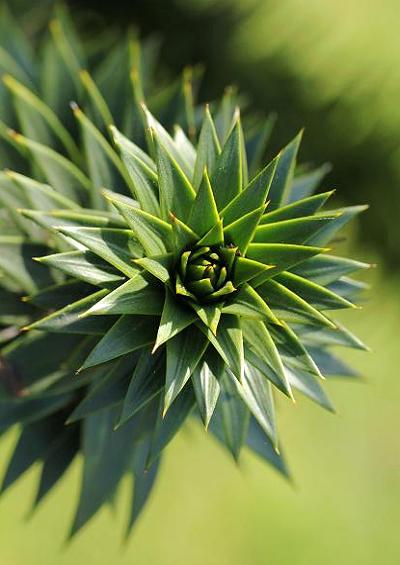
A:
x,y
332,66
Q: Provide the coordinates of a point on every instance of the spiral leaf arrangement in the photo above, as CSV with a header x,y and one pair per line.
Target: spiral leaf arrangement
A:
x,y
162,276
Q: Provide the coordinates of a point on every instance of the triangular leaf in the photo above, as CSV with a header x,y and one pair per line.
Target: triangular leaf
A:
x,y
139,295
204,212
252,197
85,266
152,232
208,149
230,338
240,233
147,382
227,177
175,317
117,247
305,207
128,334
205,384
279,193
176,192
248,303
259,339
297,230
184,352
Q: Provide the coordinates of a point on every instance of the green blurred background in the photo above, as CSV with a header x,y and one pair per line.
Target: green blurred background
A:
x,y
332,66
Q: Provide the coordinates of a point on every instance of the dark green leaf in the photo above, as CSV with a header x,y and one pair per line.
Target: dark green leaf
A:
x,y
227,177
142,172
205,384
252,197
297,230
305,207
117,247
176,192
184,352
128,334
166,427
107,391
69,319
147,382
139,295
204,212
208,149
175,318
249,304
154,234
240,233
264,448
85,266
279,193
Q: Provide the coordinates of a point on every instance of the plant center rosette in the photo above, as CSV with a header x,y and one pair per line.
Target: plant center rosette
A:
x,y
204,274
199,283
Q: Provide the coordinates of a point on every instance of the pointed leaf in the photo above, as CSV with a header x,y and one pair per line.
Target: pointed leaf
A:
x,y
259,339
139,295
325,269
141,170
153,233
175,317
57,462
306,184
61,174
208,149
146,383
313,293
213,237
305,207
282,256
69,319
117,247
210,315
85,266
264,448
106,454
184,352
104,165
38,120
248,303
183,236
128,334
166,428
240,233
279,193
176,192
204,212
233,416
144,479
290,307
107,391
158,265
298,230
255,391
230,338
252,197
205,384
227,177
246,269
343,216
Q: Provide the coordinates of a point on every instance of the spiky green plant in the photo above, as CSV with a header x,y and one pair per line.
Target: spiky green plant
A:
x,y
173,276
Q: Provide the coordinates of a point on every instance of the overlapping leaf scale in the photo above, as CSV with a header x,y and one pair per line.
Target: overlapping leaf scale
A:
x,y
107,226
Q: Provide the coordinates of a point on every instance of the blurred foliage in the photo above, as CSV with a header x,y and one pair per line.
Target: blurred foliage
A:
x,y
343,507
329,66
